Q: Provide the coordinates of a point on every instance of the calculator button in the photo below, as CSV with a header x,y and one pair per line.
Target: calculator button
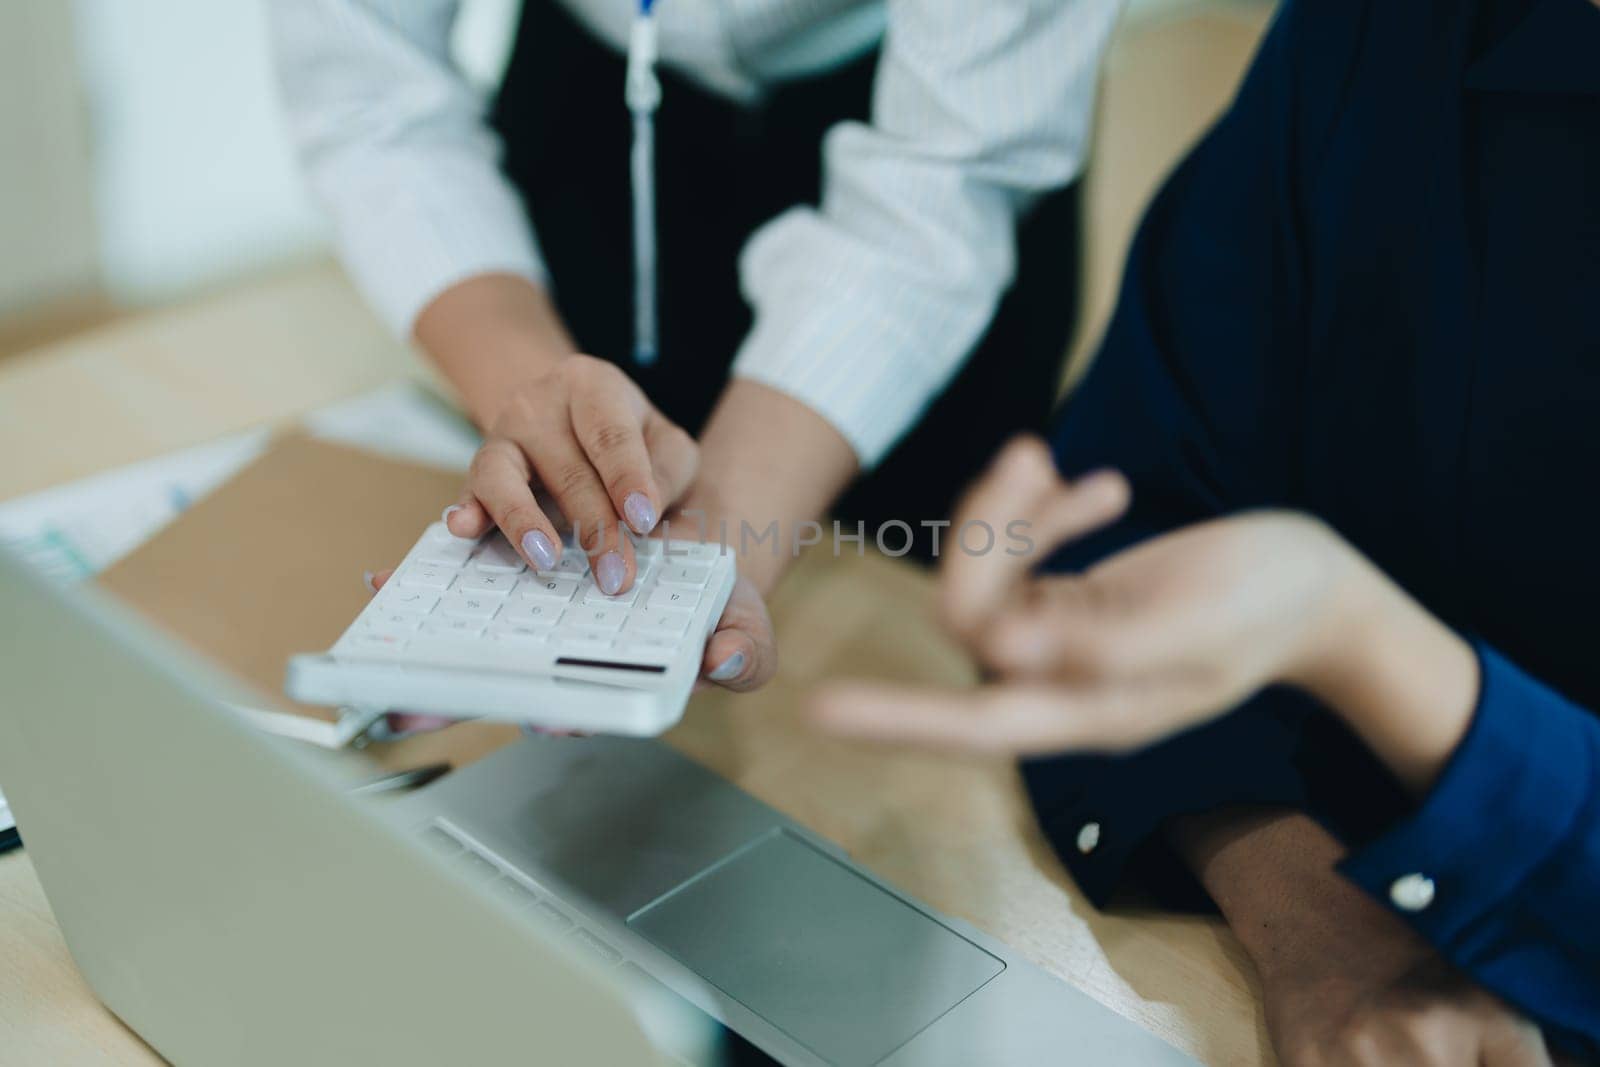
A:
x,y
674,599
506,624
553,588
427,576
498,557
452,630
572,644
694,575
573,564
653,653
391,622
694,551
471,651
595,618
635,639
670,623
375,646
490,584
532,613
410,601
447,551
517,637
463,606
647,548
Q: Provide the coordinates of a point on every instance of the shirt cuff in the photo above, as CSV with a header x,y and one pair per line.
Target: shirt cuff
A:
x,y
1508,799
407,238
857,341
859,375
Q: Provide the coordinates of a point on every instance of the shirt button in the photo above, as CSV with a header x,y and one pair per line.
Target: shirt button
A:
x,y
1411,892
1088,837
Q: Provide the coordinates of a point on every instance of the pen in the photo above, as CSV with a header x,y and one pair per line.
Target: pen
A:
x,y
399,780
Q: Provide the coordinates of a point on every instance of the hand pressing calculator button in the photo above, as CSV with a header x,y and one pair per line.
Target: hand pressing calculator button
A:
x,y
468,630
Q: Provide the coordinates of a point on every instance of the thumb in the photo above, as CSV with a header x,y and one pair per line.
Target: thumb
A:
x,y
743,653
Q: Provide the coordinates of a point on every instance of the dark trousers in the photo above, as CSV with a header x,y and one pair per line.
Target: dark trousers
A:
x,y
722,171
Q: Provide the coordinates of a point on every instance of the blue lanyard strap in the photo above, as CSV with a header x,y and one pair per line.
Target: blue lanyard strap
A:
x,y
643,95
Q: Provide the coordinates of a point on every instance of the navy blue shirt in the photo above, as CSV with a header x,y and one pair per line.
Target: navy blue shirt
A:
x,y
1372,293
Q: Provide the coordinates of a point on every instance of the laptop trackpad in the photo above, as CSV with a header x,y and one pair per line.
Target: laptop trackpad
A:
x,y
844,968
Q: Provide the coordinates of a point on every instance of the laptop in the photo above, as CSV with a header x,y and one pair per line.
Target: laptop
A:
x,y
567,901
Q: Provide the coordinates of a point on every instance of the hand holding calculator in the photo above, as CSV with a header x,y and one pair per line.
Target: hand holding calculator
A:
x,y
466,629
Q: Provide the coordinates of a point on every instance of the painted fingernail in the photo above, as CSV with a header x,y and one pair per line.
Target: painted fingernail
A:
x,y
641,514
728,669
444,517
366,580
609,571
539,549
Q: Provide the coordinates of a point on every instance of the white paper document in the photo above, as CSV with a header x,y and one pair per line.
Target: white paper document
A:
x,y
75,531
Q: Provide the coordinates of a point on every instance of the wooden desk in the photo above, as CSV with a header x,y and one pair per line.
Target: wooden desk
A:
x,y
956,833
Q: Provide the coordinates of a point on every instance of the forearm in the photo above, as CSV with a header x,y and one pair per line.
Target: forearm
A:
x,y
489,334
1271,874
1402,680
766,457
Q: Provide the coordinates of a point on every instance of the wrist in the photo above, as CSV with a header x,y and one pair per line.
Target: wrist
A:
x,y
1261,868
767,461
490,335
1397,676
1272,874
1341,638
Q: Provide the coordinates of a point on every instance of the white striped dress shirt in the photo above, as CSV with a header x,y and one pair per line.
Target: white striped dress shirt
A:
x,y
866,305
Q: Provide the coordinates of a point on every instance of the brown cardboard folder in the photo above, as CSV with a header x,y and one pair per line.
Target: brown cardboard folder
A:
x,y
270,564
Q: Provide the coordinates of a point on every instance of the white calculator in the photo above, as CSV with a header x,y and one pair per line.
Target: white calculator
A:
x,y
465,629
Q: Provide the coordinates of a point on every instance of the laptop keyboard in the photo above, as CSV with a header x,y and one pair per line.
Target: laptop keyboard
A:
x,y
483,867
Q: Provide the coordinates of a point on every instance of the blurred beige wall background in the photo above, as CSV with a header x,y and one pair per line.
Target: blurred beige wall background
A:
x,y
1171,71
48,245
